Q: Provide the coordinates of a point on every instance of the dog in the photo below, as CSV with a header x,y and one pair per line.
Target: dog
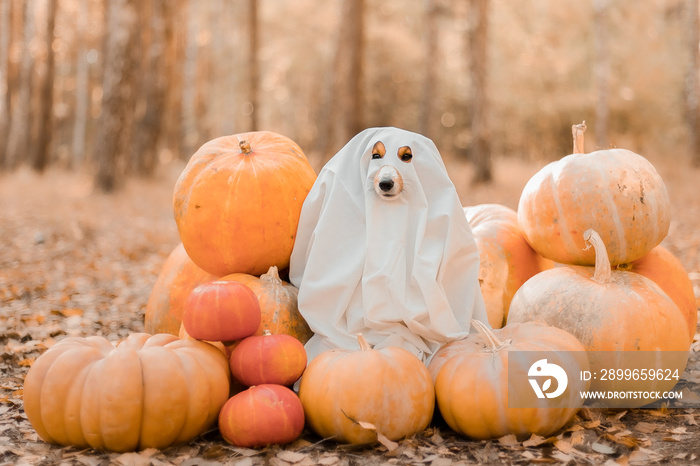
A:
x,y
383,249
388,181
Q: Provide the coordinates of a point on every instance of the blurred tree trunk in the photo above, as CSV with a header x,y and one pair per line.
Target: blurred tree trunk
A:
x,y
82,86
151,90
175,20
602,72
45,114
345,93
189,86
114,131
692,97
4,78
478,66
18,144
253,63
429,95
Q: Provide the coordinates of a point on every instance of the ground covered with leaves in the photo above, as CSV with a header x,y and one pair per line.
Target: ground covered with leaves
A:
x,y
74,262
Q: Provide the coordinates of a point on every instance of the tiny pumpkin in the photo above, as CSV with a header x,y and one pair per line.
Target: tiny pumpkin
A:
x,y
506,259
389,388
221,311
616,192
146,392
238,200
268,359
263,415
278,304
472,383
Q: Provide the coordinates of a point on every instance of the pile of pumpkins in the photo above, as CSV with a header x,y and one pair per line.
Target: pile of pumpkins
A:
x,y
577,269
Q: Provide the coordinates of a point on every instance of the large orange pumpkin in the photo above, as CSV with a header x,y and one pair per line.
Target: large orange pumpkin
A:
x,y
278,304
668,272
608,311
615,192
147,392
474,380
389,388
506,259
237,202
178,277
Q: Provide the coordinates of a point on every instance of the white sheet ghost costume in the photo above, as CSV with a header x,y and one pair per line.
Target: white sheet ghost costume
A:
x,y
403,272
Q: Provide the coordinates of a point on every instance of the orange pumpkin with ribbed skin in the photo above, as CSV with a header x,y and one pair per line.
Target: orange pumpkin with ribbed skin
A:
x,y
664,269
147,392
178,277
237,202
263,415
608,311
277,359
615,192
278,304
221,311
506,259
388,387
472,380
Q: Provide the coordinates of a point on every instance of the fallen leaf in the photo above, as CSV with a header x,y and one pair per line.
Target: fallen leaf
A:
x,y
534,441
508,440
602,448
390,445
645,427
291,456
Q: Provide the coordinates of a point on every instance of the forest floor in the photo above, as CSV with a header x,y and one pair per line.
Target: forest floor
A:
x,y
75,262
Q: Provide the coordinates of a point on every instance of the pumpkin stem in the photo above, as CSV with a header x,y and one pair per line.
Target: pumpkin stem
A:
x,y
603,272
577,131
245,146
266,333
272,276
484,331
362,341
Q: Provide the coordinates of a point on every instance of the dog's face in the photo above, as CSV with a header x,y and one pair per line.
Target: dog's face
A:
x,y
387,167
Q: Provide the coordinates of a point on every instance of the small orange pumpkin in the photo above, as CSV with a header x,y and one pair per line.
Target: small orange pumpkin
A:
x,y
277,359
178,277
278,304
389,388
221,311
263,415
472,380
238,200
506,259
615,192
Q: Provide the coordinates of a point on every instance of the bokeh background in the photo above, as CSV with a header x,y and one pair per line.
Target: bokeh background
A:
x,y
117,88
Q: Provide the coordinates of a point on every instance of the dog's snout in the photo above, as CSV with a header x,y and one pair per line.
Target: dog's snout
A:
x,y
386,185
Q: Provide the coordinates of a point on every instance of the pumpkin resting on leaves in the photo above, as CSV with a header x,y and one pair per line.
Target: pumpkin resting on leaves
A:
x,y
278,304
609,311
178,277
147,392
263,415
238,200
388,388
615,192
506,259
472,380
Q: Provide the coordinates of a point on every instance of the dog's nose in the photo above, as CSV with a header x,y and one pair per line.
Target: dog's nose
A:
x,y
386,185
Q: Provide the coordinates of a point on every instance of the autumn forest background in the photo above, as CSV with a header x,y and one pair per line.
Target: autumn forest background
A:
x,y
102,102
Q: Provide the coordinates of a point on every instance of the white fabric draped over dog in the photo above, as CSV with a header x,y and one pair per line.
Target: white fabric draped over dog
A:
x,y
403,272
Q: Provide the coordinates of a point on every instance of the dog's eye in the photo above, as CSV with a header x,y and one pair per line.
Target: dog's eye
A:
x,y
376,156
405,154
